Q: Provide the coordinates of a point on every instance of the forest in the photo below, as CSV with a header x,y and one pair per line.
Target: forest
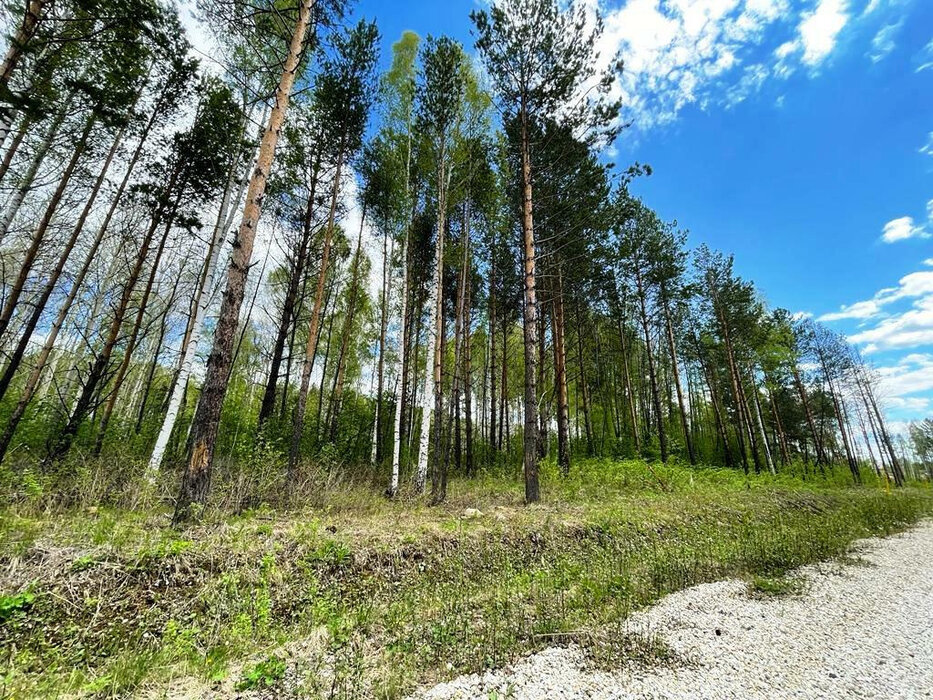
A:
x,y
231,282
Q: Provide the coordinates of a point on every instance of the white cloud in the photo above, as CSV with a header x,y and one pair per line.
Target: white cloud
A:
x,y
916,285
901,229
910,329
909,403
859,310
708,53
203,45
819,29
927,148
883,42
696,52
912,374
926,58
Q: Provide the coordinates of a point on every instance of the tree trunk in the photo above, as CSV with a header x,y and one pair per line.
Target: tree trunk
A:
x,y
38,236
467,379
801,390
154,364
675,371
630,394
530,306
649,355
298,421
25,183
38,305
35,9
782,436
761,429
290,303
886,438
347,331
584,386
42,359
840,419
189,346
403,366
440,484
380,363
493,330
98,369
433,390
743,430
26,122
558,331
196,480
134,335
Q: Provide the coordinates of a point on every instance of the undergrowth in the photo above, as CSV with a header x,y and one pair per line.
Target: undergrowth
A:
x,y
364,597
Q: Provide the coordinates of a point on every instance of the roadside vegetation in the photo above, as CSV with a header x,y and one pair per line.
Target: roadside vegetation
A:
x,y
367,597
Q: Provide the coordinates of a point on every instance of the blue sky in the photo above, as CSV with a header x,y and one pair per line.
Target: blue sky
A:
x,y
796,134
793,133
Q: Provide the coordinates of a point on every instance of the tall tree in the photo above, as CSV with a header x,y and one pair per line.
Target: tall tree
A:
x,y
542,59
344,89
203,437
440,97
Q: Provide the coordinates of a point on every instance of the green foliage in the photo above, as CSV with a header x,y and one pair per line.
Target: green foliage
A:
x,y
265,674
770,586
17,603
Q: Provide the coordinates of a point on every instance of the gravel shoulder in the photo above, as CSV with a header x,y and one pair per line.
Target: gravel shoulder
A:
x,y
857,630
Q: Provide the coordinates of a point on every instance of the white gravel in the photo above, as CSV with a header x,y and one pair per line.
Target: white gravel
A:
x,y
856,631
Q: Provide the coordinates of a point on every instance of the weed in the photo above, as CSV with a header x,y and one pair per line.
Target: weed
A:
x,y
774,586
265,674
11,605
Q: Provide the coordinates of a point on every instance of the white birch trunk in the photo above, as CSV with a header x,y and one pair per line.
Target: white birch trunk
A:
x,y
188,351
761,432
397,433
433,359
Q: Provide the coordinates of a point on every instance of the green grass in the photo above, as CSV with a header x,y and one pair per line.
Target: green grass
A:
x,y
370,597
774,586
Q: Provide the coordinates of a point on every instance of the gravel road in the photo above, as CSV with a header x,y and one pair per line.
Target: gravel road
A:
x,y
861,630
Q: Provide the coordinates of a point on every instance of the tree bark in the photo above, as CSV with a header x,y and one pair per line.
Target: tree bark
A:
x,y
35,10
134,334
558,331
39,304
584,386
25,183
347,331
98,368
32,382
19,284
649,355
298,420
433,390
200,303
196,480
675,371
530,306
801,390
290,303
